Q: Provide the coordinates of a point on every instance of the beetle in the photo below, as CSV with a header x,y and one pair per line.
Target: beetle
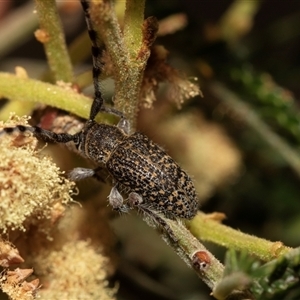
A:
x,y
137,166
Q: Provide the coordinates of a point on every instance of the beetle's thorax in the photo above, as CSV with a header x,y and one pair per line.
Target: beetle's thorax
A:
x,y
99,141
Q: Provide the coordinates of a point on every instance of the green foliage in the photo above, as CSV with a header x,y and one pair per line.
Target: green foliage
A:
x,y
275,280
273,103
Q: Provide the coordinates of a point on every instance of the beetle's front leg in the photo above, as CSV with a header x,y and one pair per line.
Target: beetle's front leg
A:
x,y
81,173
77,174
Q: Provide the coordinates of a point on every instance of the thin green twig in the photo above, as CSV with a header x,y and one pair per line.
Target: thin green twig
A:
x,y
186,245
54,41
78,49
31,90
249,116
133,22
129,63
207,229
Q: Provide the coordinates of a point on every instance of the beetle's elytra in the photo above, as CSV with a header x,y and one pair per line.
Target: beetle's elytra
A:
x,y
139,165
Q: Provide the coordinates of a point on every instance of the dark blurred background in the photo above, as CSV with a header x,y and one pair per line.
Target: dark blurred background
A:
x,y
251,48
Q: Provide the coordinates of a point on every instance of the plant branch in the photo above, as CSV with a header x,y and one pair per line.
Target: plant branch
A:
x,y
206,228
186,245
133,25
249,116
78,50
31,90
128,68
52,36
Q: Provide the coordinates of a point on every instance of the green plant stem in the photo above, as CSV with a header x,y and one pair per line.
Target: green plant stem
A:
x,y
78,52
249,116
30,90
186,245
128,70
54,44
133,22
20,108
206,228
293,258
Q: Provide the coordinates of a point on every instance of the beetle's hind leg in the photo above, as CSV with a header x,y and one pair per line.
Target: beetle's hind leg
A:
x,y
136,201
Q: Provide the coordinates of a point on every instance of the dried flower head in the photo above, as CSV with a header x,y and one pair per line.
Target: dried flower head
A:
x,y
9,255
158,71
14,285
76,271
31,185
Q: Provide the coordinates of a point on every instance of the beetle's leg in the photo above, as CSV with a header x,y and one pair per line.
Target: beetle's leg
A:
x,y
99,173
97,50
81,173
124,125
116,200
44,135
135,200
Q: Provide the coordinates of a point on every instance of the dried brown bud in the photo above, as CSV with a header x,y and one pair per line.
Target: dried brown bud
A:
x,y
9,255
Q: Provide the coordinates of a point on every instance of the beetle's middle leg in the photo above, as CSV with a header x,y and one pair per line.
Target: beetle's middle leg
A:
x,y
115,199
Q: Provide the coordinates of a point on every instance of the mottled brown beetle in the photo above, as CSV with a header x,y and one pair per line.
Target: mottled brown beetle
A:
x,y
154,182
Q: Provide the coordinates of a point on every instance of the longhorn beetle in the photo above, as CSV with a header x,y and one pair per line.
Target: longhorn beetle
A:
x,y
151,178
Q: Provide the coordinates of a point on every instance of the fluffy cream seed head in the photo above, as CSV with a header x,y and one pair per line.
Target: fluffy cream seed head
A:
x,y
31,185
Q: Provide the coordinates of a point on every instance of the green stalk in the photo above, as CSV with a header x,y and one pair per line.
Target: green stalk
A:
x,y
133,25
54,41
128,53
31,90
207,229
186,245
